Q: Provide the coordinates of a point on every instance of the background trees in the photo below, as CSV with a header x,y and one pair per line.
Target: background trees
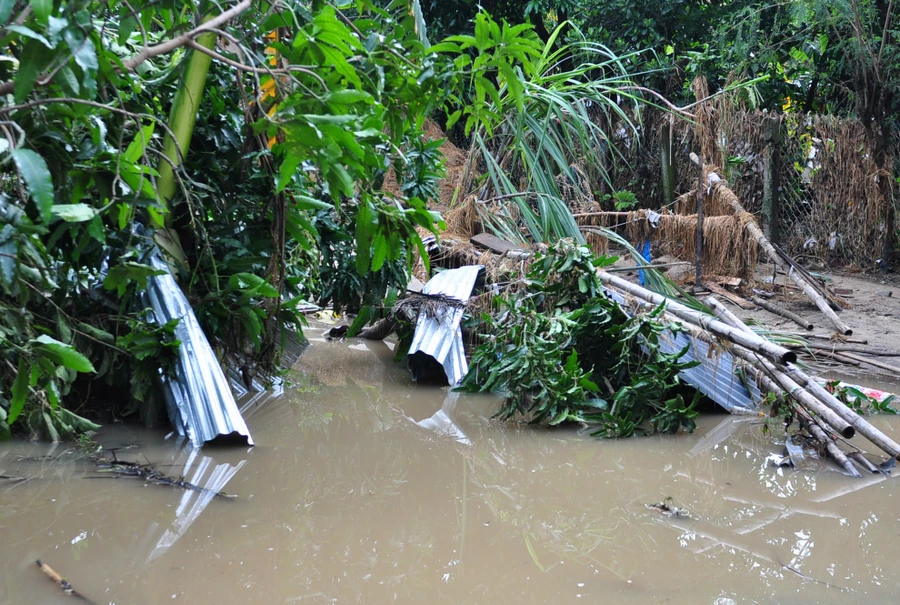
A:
x,y
252,141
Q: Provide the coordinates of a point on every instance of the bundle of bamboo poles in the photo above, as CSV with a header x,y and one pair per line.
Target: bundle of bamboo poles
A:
x,y
826,418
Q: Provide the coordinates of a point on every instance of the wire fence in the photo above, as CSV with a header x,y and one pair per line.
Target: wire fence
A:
x,y
831,205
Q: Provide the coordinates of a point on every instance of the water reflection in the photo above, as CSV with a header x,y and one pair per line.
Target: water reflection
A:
x,y
366,488
202,471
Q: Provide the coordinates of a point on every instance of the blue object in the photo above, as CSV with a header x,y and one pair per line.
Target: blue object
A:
x,y
645,252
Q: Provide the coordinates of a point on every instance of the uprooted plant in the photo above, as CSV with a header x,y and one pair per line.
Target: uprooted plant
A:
x,y
560,350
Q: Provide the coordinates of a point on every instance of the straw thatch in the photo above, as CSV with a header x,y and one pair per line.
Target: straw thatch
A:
x,y
727,247
728,250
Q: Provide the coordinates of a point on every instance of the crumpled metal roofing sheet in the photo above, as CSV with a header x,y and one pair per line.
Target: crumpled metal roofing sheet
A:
x,y
199,400
715,376
439,336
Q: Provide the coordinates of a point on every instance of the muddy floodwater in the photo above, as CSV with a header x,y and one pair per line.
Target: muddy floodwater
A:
x,y
365,488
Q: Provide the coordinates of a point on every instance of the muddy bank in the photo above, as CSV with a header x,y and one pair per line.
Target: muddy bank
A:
x,y
366,488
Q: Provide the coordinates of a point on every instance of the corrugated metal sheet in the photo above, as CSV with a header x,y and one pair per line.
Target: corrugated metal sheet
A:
x,y
438,336
199,401
715,376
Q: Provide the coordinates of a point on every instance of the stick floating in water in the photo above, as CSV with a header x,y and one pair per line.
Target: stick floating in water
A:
x,y
62,582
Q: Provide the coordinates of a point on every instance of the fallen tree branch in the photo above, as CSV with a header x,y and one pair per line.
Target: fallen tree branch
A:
x,y
125,469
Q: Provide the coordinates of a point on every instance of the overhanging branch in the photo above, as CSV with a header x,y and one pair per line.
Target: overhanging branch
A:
x,y
168,46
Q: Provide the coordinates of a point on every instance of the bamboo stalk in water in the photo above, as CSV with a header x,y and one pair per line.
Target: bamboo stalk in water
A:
x,y
814,429
799,394
747,340
831,447
61,582
864,462
813,388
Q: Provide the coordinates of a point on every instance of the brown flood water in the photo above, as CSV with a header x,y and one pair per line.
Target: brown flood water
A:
x,y
364,488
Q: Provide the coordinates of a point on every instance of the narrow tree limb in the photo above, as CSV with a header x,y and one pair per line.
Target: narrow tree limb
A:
x,y
170,45
748,340
803,323
148,52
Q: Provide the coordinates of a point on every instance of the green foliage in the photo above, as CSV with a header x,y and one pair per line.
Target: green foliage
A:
x,y
860,402
302,135
562,351
153,348
622,200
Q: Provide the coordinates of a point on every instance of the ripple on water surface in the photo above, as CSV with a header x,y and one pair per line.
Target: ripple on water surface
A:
x,y
365,488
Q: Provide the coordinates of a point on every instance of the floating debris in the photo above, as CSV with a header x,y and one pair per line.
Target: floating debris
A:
x,y
668,508
125,469
61,582
437,340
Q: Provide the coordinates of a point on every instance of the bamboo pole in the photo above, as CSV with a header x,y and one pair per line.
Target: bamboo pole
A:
x,y
864,462
799,393
846,348
830,338
814,429
840,358
725,314
813,388
753,228
748,340
803,323
787,383
871,362
182,119
64,584
832,448
698,269
603,213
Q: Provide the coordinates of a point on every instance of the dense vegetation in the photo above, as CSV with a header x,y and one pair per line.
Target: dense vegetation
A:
x,y
252,142
563,351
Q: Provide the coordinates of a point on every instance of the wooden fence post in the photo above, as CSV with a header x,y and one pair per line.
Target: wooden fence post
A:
x,y
698,265
771,206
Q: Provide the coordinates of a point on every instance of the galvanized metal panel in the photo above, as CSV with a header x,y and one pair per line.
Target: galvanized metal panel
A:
x,y
438,335
715,376
199,400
